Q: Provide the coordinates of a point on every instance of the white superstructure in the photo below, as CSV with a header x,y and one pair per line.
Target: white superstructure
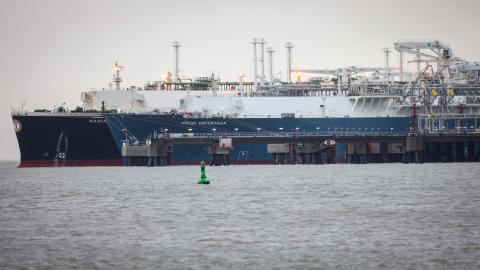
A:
x,y
453,86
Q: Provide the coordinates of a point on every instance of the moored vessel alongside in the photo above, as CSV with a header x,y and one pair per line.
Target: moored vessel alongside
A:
x,y
344,100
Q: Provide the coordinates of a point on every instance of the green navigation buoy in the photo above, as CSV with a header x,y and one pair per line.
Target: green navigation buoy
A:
x,y
203,178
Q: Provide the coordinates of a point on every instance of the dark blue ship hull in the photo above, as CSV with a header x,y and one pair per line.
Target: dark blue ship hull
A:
x,y
63,139
140,127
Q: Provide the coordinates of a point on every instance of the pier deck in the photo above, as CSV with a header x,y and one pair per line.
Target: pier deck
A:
x,y
314,147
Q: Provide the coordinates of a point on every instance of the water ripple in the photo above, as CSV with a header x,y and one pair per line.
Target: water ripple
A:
x,y
390,216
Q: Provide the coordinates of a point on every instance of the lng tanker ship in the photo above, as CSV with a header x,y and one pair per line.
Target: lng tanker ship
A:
x,y
340,100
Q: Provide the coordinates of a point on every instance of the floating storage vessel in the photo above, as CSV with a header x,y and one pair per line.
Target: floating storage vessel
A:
x,y
65,139
147,125
345,100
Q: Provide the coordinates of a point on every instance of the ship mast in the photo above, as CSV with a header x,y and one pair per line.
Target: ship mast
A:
x,y
387,62
289,47
270,52
116,75
176,45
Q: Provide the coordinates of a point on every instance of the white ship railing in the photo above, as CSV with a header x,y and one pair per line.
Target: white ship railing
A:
x,y
330,134
295,134
438,123
220,117
300,134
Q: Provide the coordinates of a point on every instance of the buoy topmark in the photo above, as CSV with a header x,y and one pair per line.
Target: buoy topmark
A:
x,y
203,178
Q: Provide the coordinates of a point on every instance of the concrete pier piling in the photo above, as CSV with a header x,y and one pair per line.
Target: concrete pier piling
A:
x,y
301,153
459,152
356,153
477,156
413,150
384,152
151,154
470,151
446,152
280,152
220,153
309,153
313,147
331,154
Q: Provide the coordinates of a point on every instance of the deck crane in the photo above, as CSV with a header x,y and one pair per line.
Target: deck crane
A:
x,y
430,50
342,73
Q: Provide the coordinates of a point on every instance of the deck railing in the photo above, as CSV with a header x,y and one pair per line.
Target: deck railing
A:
x,y
305,134
287,134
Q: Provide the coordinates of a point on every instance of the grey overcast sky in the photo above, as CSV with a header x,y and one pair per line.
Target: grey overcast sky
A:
x,y
50,51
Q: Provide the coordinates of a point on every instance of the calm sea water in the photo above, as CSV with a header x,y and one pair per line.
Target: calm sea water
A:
x,y
390,216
